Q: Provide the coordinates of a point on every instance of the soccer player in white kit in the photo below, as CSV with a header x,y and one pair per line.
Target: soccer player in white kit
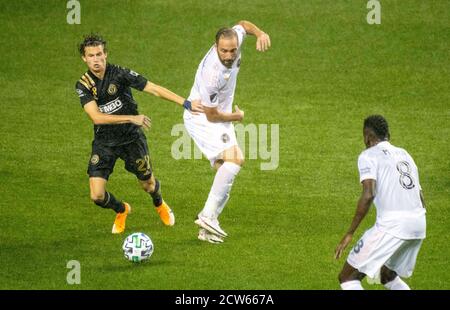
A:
x,y
213,130
390,179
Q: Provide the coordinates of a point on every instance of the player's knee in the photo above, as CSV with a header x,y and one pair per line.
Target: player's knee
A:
x,y
240,161
149,186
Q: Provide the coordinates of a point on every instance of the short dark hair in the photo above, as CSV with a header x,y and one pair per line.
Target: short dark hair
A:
x,y
225,33
92,39
379,125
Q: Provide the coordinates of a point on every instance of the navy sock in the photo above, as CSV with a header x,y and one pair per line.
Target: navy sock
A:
x,y
156,195
110,202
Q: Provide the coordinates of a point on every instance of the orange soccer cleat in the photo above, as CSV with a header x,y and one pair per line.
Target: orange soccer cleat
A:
x,y
166,214
119,222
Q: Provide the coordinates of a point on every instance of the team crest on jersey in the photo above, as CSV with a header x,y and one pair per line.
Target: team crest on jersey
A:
x,y
213,97
95,159
112,89
225,138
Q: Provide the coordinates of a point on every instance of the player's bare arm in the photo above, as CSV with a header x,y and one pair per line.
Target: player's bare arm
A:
x,y
215,116
262,38
364,202
99,118
166,94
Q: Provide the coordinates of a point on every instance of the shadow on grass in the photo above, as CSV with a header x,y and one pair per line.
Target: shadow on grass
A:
x,y
128,265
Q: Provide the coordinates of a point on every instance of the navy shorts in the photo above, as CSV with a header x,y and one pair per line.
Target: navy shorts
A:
x,y
135,155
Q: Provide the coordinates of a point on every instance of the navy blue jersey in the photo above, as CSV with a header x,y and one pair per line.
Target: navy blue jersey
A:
x,y
113,96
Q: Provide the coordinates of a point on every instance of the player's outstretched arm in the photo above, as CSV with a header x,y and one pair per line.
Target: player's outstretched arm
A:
x,y
166,94
262,38
364,202
99,118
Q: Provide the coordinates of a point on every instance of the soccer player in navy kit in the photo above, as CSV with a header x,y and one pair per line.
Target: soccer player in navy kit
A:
x,y
105,94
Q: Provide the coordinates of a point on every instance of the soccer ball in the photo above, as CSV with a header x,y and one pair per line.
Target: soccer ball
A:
x,y
137,247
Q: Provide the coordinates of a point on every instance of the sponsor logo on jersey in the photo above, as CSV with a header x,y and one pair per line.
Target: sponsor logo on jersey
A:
x,y
111,106
112,89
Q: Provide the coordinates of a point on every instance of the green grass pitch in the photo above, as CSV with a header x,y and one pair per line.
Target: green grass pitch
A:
x,y
327,70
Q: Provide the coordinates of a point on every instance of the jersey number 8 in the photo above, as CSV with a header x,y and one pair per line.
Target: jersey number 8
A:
x,y
406,180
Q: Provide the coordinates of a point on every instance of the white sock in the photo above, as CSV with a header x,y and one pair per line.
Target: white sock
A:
x,y
218,196
354,285
397,285
222,205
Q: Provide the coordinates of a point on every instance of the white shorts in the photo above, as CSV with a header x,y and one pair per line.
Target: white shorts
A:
x,y
211,138
377,248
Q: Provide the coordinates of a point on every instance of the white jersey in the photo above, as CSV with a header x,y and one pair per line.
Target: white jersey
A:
x,y
397,199
214,83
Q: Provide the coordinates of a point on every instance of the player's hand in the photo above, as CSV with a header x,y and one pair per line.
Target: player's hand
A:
x,y
342,245
142,121
240,113
263,42
196,107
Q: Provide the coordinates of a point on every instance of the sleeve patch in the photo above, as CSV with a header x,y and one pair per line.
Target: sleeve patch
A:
x,y
80,93
364,170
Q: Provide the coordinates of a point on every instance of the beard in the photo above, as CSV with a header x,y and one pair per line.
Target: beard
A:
x,y
227,63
